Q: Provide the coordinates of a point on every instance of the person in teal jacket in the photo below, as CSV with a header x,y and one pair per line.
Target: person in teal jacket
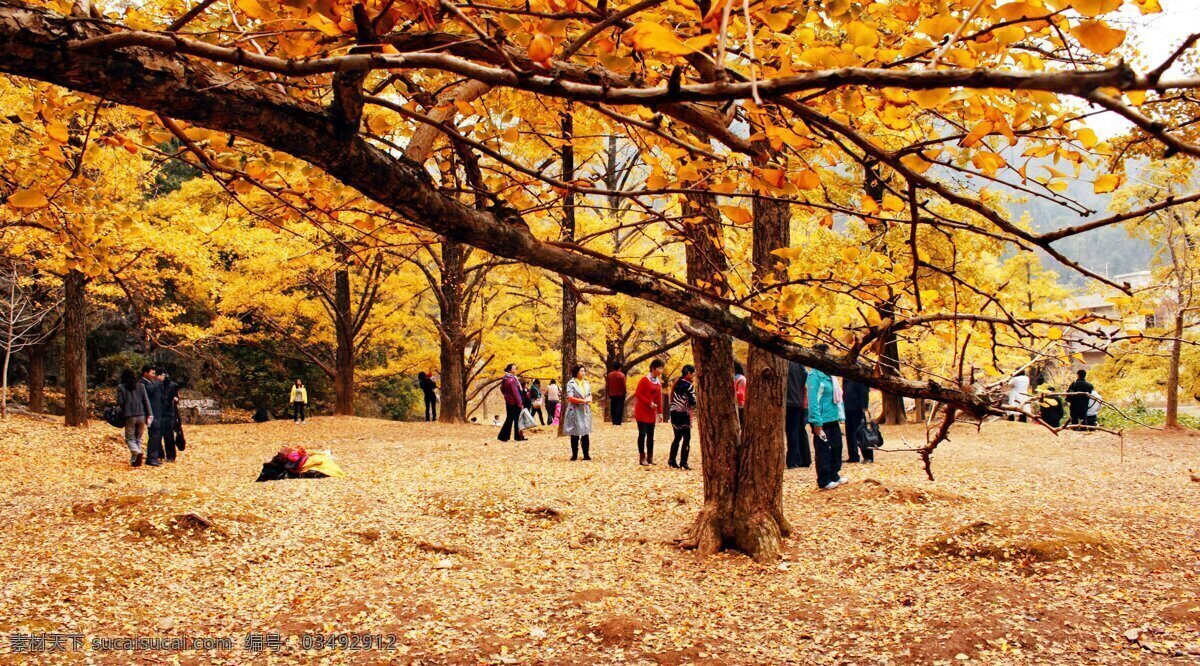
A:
x,y
824,398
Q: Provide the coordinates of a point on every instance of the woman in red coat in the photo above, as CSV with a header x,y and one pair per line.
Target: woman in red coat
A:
x,y
647,409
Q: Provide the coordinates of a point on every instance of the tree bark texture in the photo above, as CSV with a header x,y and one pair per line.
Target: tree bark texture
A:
x,y
75,348
36,358
343,380
453,333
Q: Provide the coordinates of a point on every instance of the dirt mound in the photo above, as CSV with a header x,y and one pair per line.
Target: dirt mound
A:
x,y
1185,613
618,629
106,506
871,489
181,526
983,540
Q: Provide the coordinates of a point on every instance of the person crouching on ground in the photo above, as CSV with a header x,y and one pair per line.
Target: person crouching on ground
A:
x,y
577,417
823,407
647,410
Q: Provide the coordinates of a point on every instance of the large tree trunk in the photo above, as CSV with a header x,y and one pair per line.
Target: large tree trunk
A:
x,y
716,420
343,380
1173,374
36,358
570,303
758,521
453,342
75,348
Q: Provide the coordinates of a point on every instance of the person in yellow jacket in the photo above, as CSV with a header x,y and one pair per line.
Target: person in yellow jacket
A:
x,y
299,400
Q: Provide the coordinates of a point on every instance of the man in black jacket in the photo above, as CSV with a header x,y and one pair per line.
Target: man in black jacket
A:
x,y
1080,392
154,451
798,453
857,399
170,415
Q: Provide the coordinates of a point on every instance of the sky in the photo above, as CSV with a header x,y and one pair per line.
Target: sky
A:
x,y
1156,36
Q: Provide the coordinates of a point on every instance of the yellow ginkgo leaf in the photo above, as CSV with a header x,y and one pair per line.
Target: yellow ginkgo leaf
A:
x,y
807,180
1055,333
892,203
1106,183
861,34
647,36
737,215
28,199
1087,137
58,132
1097,37
850,253
1090,8
541,47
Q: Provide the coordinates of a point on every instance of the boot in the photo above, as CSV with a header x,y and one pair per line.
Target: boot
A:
x,y
575,449
650,452
586,443
641,454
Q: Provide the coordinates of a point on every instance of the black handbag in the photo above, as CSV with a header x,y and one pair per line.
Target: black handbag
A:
x,y
868,435
180,441
114,416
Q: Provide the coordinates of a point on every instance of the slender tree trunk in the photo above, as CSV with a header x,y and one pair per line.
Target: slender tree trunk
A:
x,y
36,358
75,348
570,304
716,420
889,363
343,380
1173,373
453,342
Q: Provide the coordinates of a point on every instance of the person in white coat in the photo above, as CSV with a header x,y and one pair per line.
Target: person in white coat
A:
x,y
1018,395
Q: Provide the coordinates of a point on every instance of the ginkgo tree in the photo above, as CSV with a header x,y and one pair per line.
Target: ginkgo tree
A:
x,y
743,114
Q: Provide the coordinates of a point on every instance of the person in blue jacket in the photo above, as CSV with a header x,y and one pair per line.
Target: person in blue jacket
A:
x,y
824,401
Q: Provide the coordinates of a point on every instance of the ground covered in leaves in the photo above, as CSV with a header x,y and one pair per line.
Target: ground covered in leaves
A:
x,y
1027,549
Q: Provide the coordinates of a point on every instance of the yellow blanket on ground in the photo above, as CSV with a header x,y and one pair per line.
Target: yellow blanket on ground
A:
x,y
322,461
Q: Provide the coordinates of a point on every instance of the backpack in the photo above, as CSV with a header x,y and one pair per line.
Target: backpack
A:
x,y
114,416
868,435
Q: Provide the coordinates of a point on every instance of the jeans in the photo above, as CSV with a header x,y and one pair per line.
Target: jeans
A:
x,y
551,407
135,429
798,453
682,442
297,412
430,407
511,414
828,454
537,411
616,409
645,441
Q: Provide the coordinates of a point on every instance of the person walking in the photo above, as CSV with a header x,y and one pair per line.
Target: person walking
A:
x,y
796,404
683,401
648,410
577,416
429,390
536,400
615,388
739,392
857,399
824,401
154,449
170,416
552,396
135,408
299,400
510,388
1079,398
1052,408
1018,395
